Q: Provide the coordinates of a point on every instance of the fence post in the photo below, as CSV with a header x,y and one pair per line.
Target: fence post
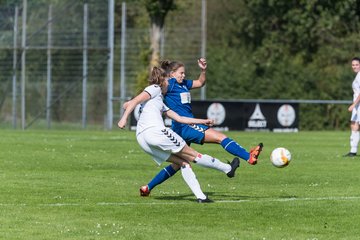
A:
x,y
122,58
14,108
110,64
23,65
48,81
85,73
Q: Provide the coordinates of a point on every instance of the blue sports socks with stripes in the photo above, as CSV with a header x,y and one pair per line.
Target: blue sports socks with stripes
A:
x,y
164,174
235,149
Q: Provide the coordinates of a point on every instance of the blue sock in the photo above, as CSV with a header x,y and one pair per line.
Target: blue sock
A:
x,y
235,149
164,174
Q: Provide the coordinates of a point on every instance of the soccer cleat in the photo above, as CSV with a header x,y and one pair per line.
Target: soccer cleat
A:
x,y
144,191
350,154
206,200
254,154
234,165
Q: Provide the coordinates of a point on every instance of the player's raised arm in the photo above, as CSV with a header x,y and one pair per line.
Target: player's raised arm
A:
x,y
198,83
129,106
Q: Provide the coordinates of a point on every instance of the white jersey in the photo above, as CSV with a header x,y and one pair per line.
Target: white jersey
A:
x,y
355,116
356,86
151,110
152,135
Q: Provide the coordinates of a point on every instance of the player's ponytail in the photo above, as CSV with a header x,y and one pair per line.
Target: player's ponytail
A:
x,y
157,76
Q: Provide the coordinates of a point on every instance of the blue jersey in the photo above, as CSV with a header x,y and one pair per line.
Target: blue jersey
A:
x,y
178,99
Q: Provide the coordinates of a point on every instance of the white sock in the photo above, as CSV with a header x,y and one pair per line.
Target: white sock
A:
x,y
354,141
210,162
191,180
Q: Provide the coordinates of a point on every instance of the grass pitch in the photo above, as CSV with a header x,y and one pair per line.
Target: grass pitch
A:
x,y
84,185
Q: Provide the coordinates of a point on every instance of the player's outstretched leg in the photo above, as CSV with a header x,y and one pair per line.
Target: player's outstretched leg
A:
x,y
234,148
211,162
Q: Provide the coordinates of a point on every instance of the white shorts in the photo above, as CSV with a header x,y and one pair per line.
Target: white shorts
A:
x,y
160,143
355,114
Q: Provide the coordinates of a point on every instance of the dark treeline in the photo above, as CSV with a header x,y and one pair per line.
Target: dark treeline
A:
x,y
285,50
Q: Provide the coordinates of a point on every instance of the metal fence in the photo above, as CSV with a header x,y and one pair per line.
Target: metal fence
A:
x,y
67,63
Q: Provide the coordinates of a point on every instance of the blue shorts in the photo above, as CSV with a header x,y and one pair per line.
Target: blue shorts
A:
x,y
194,133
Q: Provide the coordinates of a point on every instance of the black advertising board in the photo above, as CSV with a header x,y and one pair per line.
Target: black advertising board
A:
x,y
245,116
249,116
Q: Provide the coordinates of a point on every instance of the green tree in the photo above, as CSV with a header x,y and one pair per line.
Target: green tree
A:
x,y
284,50
157,11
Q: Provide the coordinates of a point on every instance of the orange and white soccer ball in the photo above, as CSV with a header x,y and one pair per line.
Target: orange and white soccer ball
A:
x,y
280,157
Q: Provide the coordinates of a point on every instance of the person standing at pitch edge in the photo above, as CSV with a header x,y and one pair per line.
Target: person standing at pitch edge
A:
x,y
354,109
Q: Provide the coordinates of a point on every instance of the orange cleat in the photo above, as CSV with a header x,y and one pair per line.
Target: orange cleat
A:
x,y
254,154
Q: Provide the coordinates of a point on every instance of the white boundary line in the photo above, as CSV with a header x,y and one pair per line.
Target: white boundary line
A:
x,y
349,198
295,199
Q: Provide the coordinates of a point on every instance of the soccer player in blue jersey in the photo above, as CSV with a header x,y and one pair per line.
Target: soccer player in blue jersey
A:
x,y
178,99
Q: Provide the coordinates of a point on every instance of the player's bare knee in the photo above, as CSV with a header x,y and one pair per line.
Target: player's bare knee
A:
x,y
213,136
176,166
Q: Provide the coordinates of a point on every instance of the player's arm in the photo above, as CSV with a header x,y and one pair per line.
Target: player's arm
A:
x,y
198,83
129,106
181,119
352,106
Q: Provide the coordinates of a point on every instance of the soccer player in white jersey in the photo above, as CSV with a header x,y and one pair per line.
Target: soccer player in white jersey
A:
x,y
354,109
162,143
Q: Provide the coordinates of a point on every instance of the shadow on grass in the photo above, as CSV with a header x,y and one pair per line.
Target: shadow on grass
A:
x,y
223,197
180,197
211,195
